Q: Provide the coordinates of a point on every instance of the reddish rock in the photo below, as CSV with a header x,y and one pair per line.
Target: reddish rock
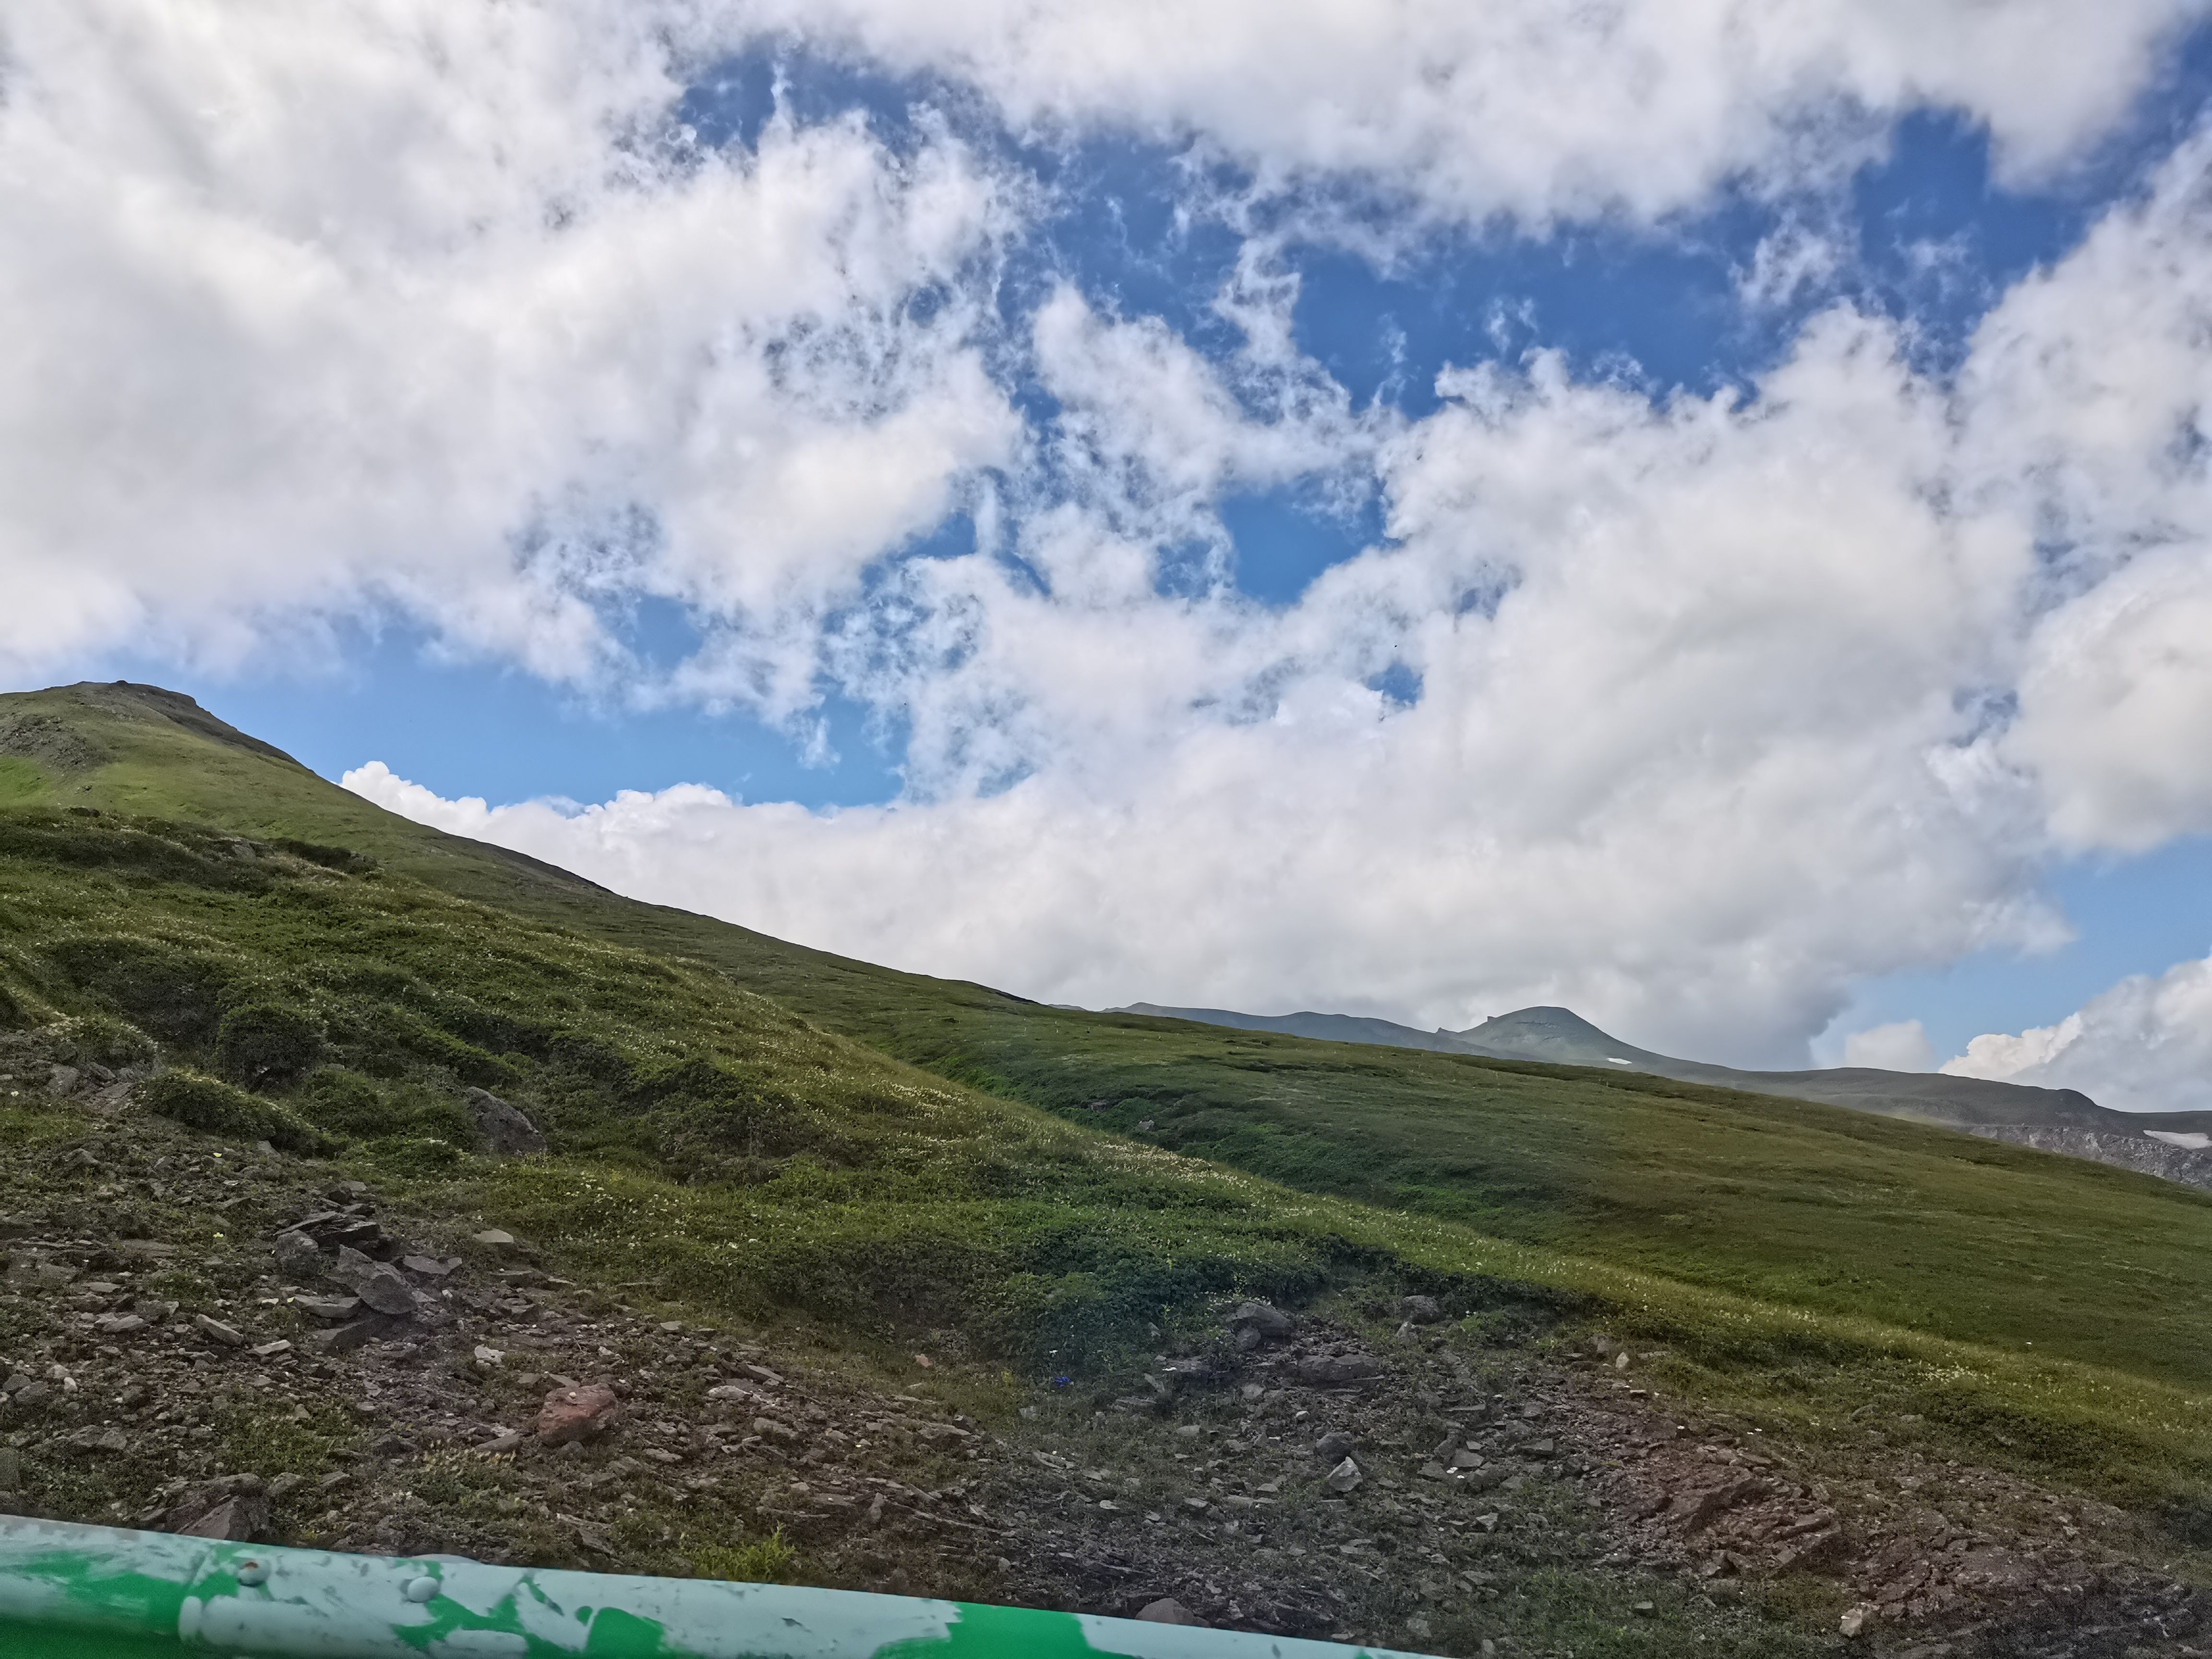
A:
x,y
576,1413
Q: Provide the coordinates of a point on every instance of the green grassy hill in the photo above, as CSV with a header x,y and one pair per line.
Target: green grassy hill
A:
x,y
771,1124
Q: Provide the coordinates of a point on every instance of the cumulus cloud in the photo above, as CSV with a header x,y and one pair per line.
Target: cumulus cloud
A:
x,y
430,308
2144,1046
1690,753
1902,1046
2089,387
1524,106
1722,704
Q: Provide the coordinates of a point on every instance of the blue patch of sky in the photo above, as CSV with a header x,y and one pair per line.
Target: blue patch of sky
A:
x,y
2136,916
472,728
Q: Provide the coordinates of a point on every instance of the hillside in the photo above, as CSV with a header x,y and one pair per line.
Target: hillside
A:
x,y
866,1164
1562,1037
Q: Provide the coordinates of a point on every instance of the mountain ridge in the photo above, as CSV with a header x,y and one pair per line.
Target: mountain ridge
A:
x,y
1555,1035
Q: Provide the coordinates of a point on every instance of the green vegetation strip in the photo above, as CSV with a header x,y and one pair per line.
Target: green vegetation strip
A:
x,y
72,1592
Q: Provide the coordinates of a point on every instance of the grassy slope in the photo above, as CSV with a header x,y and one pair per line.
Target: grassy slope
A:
x,y
1760,1233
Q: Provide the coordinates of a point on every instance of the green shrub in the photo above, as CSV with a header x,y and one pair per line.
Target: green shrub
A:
x,y
101,1040
415,1154
267,1043
767,1561
208,1104
174,994
347,1104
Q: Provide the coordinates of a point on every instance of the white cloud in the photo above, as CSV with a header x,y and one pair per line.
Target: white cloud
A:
x,y
1705,763
421,309
2144,1046
1526,107
409,306
2089,387
1902,1046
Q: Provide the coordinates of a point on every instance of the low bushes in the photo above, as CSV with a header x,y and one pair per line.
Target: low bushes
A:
x,y
209,1104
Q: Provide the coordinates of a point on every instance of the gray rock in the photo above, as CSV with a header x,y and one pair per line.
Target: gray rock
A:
x,y
110,1439
344,1339
39,1273
1420,1310
1270,1322
1343,1478
379,1284
63,1079
1333,1445
119,1324
31,1393
298,1256
238,1518
1337,1370
430,1267
11,1469
507,1132
327,1307
1169,1611
229,1335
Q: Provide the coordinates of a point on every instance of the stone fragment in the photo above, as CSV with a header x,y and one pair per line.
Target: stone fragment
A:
x,y
97,1439
507,1132
1420,1309
1692,1510
229,1335
271,1350
298,1256
1337,1370
1435,1471
1464,1459
1168,1611
574,1414
1333,1445
118,1324
344,1339
327,1307
39,1273
506,1441
238,1517
1270,1322
379,1284
152,1311
11,1469
1343,1478
145,1249
430,1267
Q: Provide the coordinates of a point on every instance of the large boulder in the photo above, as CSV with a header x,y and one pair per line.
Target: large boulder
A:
x,y
379,1284
507,1132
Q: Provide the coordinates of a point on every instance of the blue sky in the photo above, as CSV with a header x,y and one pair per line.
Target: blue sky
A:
x,y
1012,350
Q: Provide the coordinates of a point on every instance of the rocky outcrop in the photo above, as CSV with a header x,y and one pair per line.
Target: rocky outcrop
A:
x,y
2191,1167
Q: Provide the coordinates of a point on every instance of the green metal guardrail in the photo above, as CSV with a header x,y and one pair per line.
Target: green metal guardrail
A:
x,y
72,1592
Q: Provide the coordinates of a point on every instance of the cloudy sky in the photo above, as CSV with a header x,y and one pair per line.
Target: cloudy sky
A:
x,y
1697,510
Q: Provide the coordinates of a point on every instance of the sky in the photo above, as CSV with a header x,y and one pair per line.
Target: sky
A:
x,y
1694,510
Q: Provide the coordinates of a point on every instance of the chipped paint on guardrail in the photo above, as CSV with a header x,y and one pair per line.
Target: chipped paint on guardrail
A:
x,y
77,1592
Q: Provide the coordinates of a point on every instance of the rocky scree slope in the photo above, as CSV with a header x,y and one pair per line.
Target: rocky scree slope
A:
x,y
214,1338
